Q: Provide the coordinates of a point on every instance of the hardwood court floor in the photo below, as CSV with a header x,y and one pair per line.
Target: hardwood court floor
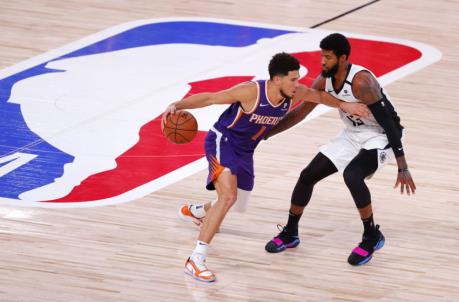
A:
x,y
136,251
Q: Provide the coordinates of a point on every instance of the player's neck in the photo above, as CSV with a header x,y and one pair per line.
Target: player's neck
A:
x,y
273,93
341,75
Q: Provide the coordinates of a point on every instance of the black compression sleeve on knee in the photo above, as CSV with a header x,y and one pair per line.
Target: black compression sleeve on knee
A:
x,y
319,168
363,165
354,180
382,113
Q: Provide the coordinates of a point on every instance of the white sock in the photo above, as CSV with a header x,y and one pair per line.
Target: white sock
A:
x,y
201,249
198,210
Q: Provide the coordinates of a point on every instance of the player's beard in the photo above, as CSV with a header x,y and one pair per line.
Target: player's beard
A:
x,y
331,72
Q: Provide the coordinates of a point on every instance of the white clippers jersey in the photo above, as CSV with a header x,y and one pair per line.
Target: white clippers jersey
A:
x,y
353,123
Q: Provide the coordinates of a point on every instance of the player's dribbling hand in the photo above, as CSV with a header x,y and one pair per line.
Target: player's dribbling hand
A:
x,y
405,181
171,109
357,109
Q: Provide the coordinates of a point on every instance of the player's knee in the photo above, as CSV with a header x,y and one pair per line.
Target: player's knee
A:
x,y
307,177
228,199
352,178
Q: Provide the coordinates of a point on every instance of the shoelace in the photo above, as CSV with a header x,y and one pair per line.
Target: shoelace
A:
x,y
367,243
280,227
283,232
200,262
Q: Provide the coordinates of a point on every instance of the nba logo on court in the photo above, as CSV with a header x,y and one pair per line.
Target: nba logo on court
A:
x,y
80,124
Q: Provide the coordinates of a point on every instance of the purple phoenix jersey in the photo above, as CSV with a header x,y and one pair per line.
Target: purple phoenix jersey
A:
x,y
247,129
234,137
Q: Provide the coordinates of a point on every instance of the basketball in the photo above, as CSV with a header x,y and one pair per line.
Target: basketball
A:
x,y
180,128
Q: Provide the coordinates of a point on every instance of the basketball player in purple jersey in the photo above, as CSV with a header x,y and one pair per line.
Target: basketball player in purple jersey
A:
x,y
255,108
365,145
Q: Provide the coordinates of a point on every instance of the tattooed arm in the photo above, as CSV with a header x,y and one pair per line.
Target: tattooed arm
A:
x,y
367,89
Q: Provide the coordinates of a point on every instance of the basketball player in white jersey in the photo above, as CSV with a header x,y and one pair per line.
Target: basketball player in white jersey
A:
x,y
364,146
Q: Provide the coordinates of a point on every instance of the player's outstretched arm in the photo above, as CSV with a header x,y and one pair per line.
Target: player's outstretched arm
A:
x,y
245,93
292,118
322,97
367,89
300,112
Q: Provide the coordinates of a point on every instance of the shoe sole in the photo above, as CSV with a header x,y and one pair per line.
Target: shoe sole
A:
x,y
285,246
197,278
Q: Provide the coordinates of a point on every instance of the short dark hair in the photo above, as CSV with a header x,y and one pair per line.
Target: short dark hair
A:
x,y
337,43
281,64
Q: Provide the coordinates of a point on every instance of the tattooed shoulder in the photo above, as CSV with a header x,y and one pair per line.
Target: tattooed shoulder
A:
x,y
366,88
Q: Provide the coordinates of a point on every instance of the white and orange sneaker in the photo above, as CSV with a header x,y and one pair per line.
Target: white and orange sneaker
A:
x,y
186,214
196,267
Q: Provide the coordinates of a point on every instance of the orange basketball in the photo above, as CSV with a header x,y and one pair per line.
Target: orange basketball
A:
x,y
181,127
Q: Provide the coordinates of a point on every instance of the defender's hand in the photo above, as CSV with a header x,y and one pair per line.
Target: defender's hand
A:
x,y
358,109
406,182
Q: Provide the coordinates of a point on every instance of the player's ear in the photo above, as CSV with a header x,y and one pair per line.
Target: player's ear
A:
x,y
277,79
